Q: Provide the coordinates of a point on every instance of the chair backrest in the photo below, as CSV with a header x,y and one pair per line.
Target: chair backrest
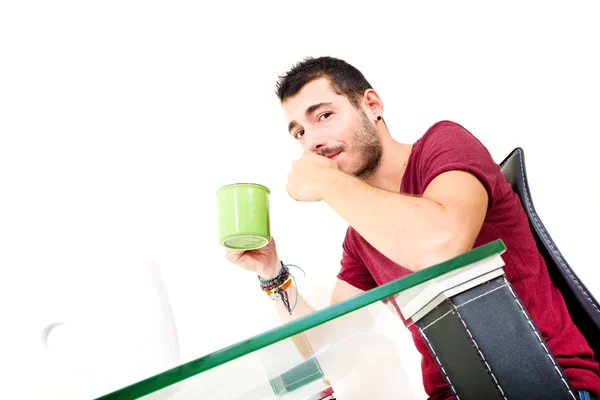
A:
x,y
582,306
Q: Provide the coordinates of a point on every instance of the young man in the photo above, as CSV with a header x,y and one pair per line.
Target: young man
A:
x,y
409,206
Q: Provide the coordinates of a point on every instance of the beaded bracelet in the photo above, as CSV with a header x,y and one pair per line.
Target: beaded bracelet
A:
x,y
277,286
284,286
276,282
281,272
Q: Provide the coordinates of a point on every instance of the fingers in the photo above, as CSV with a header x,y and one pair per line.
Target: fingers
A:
x,y
233,255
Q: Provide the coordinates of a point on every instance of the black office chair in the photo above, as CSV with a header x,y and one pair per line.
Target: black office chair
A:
x,y
582,306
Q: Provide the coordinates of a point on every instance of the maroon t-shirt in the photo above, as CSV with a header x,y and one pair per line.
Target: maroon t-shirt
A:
x,y
448,146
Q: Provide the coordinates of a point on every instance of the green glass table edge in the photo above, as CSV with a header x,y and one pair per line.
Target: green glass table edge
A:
x,y
227,354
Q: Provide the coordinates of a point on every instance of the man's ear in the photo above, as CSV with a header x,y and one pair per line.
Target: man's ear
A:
x,y
373,103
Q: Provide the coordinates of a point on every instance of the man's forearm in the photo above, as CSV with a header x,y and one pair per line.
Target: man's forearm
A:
x,y
411,231
301,308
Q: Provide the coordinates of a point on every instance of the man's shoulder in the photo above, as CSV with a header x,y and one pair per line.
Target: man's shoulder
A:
x,y
445,135
444,127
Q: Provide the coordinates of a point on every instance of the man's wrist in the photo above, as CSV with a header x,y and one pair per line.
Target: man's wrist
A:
x,y
272,271
332,180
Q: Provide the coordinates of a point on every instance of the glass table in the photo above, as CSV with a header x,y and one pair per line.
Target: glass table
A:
x,y
308,357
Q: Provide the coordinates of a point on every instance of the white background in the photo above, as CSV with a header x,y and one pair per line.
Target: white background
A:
x,y
119,120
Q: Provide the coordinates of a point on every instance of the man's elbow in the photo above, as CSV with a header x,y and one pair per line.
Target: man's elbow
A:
x,y
443,248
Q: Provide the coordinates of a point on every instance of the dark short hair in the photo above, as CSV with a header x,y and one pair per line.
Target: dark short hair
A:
x,y
345,79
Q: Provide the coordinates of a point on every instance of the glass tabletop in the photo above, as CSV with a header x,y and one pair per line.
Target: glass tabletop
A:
x,y
304,359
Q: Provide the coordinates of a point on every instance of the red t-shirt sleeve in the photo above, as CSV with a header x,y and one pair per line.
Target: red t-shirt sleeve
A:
x,y
448,146
352,269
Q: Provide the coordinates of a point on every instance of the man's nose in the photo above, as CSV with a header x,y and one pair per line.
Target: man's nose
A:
x,y
313,140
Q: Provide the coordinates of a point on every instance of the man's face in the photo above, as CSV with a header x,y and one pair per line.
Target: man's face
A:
x,y
326,123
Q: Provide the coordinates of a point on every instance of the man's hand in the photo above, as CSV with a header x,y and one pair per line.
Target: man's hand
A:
x,y
310,175
263,261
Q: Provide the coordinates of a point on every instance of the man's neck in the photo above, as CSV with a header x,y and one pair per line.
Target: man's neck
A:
x,y
393,164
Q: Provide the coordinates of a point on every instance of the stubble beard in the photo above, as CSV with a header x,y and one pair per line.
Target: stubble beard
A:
x,y
368,146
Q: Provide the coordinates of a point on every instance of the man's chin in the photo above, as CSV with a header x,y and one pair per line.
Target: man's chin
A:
x,y
349,168
353,172
345,168
364,173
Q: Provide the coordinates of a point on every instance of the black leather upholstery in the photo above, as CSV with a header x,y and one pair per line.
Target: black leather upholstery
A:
x,y
583,307
455,354
486,347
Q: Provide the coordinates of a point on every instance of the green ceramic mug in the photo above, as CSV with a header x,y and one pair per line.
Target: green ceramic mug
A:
x,y
243,216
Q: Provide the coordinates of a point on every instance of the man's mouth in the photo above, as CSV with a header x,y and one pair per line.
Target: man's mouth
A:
x,y
333,156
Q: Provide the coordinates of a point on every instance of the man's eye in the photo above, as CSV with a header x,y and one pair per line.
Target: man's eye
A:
x,y
324,116
299,134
